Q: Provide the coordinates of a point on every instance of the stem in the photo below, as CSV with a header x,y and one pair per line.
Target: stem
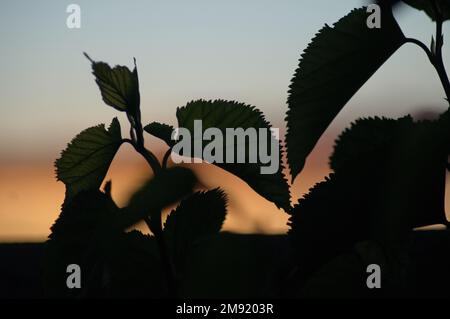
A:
x,y
422,46
166,158
439,62
154,224
440,68
147,155
151,159
137,137
156,227
436,58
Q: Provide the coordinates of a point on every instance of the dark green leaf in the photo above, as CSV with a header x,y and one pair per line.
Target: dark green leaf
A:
x,y
443,7
85,162
119,86
222,114
161,131
198,216
337,62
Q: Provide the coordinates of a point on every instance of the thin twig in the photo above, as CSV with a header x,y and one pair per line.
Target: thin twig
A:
x,y
436,57
423,47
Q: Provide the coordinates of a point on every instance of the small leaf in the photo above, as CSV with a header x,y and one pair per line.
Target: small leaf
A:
x,y
198,216
119,86
85,162
222,114
443,7
161,131
337,62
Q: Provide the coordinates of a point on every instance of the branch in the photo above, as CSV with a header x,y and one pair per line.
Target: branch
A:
x,y
436,57
422,46
439,62
147,155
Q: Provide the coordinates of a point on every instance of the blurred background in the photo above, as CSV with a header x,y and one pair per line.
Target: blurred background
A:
x,y
242,50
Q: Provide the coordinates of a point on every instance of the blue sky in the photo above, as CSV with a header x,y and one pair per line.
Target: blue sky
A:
x,y
243,50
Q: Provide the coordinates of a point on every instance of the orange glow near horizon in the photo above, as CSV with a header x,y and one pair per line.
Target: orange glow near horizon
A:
x,y
30,196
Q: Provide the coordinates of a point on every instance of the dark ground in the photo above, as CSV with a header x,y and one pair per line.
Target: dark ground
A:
x,y
233,258
20,270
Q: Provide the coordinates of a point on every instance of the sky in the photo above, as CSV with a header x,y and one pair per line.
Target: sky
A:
x,y
185,50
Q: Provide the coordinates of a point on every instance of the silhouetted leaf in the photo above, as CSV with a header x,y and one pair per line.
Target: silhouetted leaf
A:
x,y
161,131
198,216
165,188
337,214
410,155
389,178
78,237
327,221
228,114
337,62
443,7
113,263
85,162
362,147
89,211
119,86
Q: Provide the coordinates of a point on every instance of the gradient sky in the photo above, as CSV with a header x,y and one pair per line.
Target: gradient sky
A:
x,y
243,50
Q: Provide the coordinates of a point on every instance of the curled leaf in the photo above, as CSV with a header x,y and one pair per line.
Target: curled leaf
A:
x,y
161,131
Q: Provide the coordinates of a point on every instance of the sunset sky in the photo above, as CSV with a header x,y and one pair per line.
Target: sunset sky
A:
x,y
242,50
